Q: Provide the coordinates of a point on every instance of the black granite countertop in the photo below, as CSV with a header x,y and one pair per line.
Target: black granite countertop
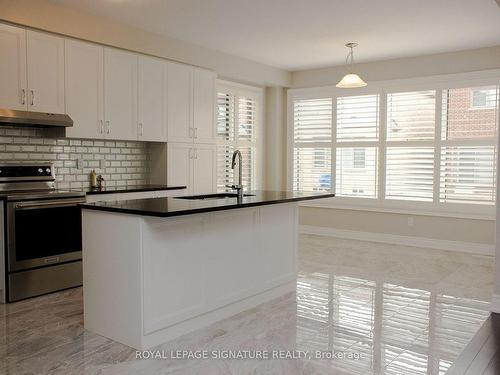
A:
x,y
177,206
129,189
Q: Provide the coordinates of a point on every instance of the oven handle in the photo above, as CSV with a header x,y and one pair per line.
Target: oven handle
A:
x,y
58,203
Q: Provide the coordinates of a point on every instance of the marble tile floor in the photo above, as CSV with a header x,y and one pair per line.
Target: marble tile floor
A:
x,y
388,309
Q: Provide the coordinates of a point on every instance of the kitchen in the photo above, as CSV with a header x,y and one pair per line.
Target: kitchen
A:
x,y
197,192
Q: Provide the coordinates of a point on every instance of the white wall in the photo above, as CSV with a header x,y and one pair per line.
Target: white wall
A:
x,y
476,231
44,15
275,139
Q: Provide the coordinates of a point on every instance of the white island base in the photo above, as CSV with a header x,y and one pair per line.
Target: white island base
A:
x,y
148,280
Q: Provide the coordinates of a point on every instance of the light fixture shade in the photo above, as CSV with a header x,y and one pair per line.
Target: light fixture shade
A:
x,y
350,81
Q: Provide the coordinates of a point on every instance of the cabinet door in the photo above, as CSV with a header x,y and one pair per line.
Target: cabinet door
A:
x,y
84,89
45,61
204,169
204,106
152,99
120,94
179,160
12,67
179,84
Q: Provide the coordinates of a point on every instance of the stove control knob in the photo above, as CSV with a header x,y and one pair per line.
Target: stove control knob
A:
x,y
40,170
47,170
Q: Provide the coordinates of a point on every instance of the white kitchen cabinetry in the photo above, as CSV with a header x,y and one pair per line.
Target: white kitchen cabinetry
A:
x,y
45,71
183,273
152,99
192,165
179,160
179,103
84,89
120,94
13,68
31,70
204,125
204,169
191,104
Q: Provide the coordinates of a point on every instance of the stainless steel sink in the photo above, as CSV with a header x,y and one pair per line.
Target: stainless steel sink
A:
x,y
214,196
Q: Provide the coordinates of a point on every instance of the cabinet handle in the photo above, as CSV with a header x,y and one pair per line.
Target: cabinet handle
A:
x,y
141,129
107,127
101,127
23,96
190,153
195,153
32,92
195,132
191,133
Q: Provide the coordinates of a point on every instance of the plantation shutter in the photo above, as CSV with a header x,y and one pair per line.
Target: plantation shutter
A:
x,y
312,144
237,129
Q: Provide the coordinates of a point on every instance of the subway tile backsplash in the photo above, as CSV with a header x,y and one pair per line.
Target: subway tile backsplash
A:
x,y
125,163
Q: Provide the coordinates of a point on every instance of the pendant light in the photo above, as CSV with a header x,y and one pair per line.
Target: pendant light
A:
x,y
351,80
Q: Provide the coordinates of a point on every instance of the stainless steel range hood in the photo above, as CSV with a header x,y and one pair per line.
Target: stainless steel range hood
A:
x,y
9,117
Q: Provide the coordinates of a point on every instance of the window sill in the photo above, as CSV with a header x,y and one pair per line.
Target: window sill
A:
x,y
401,211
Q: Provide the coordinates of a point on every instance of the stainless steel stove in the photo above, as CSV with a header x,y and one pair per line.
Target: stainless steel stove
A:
x,y
42,232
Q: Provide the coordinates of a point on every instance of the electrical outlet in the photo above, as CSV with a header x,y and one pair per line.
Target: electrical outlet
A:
x,y
79,163
411,221
102,164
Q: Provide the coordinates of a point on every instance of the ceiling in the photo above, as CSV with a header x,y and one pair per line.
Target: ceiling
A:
x,y
303,34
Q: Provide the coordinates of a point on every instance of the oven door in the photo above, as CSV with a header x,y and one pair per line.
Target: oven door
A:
x,y
41,233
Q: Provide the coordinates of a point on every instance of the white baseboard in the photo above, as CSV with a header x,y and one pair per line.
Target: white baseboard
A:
x,y
431,243
495,303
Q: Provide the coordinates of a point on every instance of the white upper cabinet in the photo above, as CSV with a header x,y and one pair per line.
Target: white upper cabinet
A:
x,y
179,83
109,93
13,68
204,106
152,99
191,104
84,89
120,94
45,70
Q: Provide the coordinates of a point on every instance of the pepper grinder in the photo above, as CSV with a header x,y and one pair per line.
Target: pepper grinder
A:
x,y
100,181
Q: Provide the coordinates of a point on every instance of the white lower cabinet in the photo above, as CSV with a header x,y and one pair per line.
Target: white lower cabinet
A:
x,y
192,165
204,169
183,273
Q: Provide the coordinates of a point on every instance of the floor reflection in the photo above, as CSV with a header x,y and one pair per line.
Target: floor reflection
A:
x,y
402,310
397,329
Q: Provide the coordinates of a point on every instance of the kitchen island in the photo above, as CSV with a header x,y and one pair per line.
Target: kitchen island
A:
x,y
154,269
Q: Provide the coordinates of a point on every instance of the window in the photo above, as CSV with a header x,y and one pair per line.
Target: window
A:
x,y
356,174
434,146
359,158
410,148
411,116
238,127
482,98
357,133
468,153
312,144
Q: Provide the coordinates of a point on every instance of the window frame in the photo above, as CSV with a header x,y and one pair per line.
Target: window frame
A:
x,y
381,204
257,93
